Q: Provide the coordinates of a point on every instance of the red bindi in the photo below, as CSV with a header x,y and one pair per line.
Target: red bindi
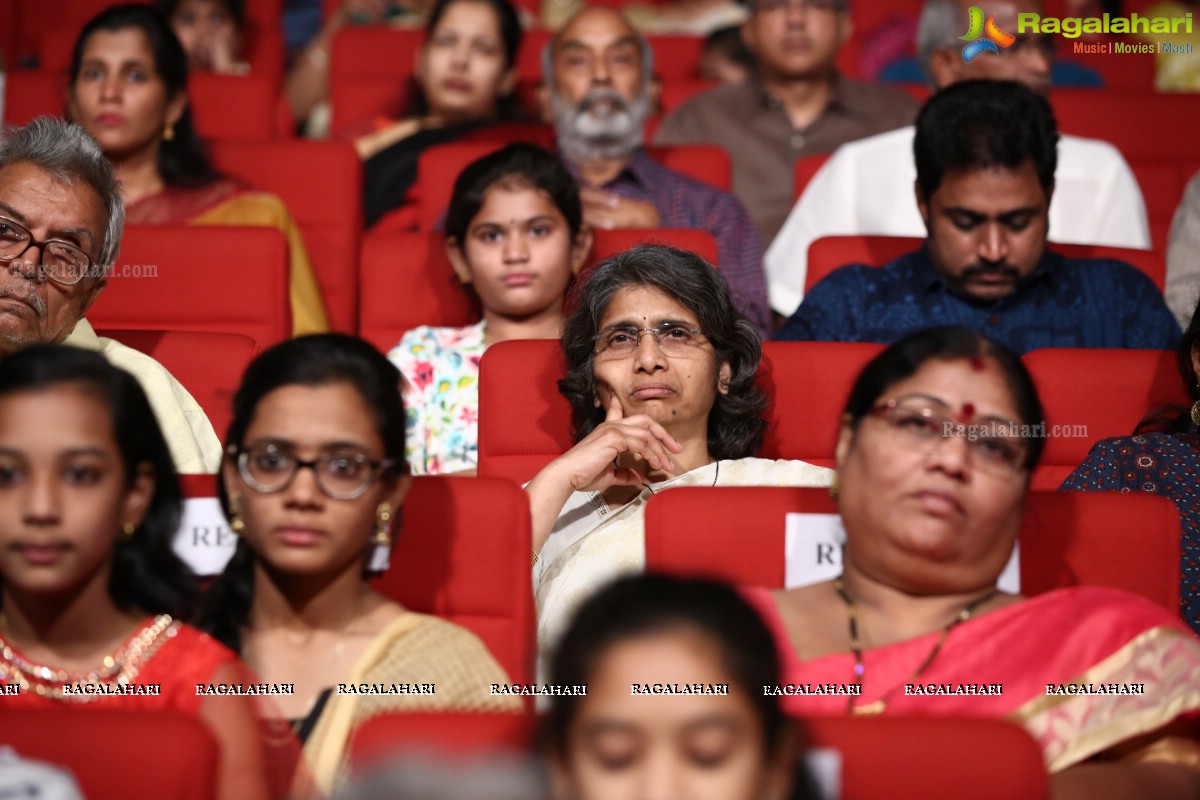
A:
x,y
976,363
968,412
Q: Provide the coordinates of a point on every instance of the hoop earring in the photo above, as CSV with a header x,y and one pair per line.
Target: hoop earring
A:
x,y
236,523
168,134
127,531
383,526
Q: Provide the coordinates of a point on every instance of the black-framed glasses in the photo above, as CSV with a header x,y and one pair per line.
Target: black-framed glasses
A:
x,y
672,338
341,473
61,262
997,446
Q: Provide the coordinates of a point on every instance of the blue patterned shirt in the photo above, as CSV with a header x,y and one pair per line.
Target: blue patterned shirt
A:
x,y
1062,303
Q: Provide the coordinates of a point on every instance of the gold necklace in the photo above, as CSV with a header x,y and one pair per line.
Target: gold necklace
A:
x,y
119,668
716,475
856,647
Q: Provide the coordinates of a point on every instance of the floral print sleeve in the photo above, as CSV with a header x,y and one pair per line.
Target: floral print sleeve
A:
x,y
441,397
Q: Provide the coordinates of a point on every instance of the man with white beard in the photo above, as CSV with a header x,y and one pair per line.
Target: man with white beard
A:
x,y
599,93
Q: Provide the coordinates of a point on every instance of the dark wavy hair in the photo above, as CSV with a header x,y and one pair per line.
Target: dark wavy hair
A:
x,y
904,358
317,360
736,424
651,605
1175,418
183,161
509,22
147,576
980,124
521,165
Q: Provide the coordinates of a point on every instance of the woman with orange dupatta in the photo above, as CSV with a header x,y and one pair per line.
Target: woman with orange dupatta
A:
x,y
129,91
933,465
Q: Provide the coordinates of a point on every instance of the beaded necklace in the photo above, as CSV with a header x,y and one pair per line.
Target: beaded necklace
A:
x,y
856,647
118,668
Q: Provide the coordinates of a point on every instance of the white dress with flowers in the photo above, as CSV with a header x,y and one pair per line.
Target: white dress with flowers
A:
x,y
441,397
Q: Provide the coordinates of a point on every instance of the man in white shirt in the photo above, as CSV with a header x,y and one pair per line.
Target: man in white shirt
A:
x,y
866,187
61,219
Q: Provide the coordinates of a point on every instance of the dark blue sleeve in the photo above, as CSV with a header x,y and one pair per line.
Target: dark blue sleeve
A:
x,y
829,312
1148,323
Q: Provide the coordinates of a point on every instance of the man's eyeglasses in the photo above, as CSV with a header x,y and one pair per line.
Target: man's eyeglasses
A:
x,y
672,338
341,474
994,444
61,262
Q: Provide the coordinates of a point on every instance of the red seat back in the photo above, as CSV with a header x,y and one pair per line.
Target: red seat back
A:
x,y
888,757
28,95
205,278
1094,394
1133,122
330,219
804,171
1066,539
209,365
463,554
175,755
830,252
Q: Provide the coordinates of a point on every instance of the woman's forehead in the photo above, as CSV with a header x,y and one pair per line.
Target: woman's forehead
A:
x,y
644,304
973,385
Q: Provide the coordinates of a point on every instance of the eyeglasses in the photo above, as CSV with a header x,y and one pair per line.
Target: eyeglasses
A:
x,y
621,341
803,5
994,444
340,474
61,261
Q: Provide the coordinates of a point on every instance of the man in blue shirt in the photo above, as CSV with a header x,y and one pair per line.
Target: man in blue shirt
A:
x,y
985,156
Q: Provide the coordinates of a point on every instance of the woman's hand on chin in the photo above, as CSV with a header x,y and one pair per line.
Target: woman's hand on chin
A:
x,y
591,465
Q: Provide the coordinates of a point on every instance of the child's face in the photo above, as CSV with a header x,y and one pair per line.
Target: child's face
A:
x,y
518,252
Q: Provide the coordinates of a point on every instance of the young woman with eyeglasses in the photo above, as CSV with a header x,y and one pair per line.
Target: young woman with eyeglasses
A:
x,y
313,477
661,379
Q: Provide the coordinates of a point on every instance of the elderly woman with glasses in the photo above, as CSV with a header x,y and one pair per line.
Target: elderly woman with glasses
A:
x,y
938,438
661,379
313,477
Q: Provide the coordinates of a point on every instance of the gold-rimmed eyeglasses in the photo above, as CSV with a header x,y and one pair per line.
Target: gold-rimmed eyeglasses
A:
x,y
997,446
672,338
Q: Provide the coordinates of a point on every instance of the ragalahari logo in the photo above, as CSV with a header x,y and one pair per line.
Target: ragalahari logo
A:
x,y
984,38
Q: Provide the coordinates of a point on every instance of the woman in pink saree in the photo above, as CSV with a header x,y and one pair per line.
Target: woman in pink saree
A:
x,y
933,461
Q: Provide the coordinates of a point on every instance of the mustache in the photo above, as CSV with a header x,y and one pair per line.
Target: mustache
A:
x,y
29,296
602,95
1001,269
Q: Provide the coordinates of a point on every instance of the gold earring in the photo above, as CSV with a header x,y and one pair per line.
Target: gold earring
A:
x,y
127,531
596,402
236,523
169,132
833,488
1196,412
383,526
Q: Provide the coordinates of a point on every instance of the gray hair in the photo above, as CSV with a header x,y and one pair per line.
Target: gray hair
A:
x,y
69,154
939,28
433,775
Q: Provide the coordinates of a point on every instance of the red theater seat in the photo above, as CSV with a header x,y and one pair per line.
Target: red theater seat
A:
x,y
209,365
321,184
204,278
28,95
1139,124
463,554
804,171
524,422
932,757
1094,394
119,754
830,252
1067,538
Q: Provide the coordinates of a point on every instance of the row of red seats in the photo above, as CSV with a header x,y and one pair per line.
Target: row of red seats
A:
x,y
176,755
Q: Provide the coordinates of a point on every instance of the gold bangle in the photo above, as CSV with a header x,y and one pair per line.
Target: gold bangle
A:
x,y
535,558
